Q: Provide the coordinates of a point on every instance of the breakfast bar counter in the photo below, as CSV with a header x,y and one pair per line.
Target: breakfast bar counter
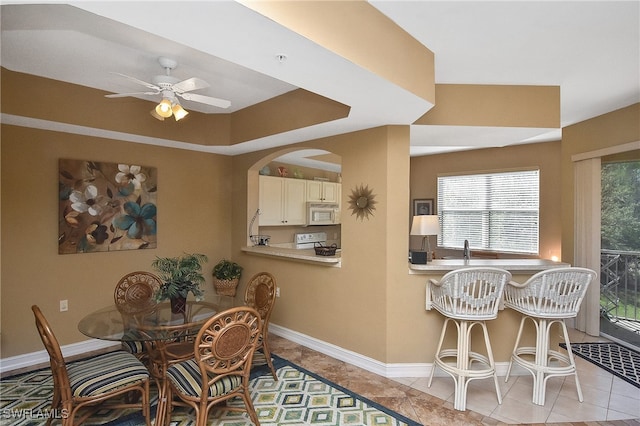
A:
x,y
504,329
308,255
518,266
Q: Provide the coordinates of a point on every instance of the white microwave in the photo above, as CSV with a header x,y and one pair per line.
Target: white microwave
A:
x,y
323,213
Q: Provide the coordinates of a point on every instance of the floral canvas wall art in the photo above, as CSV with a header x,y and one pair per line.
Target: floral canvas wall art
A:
x,y
106,206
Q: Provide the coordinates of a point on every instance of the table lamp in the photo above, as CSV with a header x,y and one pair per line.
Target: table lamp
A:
x,y
424,225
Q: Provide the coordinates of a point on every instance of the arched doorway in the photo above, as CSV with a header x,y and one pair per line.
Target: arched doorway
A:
x,y
298,166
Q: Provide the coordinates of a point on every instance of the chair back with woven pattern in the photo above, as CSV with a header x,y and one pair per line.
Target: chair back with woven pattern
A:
x,y
225,344
58,366
261,295
134,293
221,366
553,293
469,293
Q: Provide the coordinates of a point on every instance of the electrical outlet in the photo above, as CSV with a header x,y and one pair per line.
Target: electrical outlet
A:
x,y
64,305
277,291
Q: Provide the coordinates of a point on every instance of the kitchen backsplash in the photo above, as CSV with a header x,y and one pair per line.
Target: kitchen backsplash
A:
x,y
286,234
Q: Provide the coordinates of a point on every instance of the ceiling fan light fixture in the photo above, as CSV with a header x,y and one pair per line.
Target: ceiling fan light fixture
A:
x,y
163,109
170,88
155,115
178,112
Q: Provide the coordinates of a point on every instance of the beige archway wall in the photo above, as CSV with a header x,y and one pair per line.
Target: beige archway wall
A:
x,y
346,306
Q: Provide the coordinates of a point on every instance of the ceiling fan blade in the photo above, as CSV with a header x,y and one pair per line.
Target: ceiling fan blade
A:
x,y
122,95
189,84
135,80
220,103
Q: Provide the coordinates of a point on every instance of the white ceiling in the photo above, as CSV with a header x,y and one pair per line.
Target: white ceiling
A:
x,y
590,49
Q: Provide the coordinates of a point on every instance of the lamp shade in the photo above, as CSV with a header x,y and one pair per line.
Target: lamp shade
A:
x,y
163,109
155,115
425,225
178,112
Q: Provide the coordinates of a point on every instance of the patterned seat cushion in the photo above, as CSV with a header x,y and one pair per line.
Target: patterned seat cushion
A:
x,y
187,379
105,373
133,347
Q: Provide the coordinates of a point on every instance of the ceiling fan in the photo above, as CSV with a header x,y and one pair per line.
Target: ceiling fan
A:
x,y
171,89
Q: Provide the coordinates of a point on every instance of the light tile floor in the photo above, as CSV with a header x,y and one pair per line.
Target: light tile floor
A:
x,y
608,400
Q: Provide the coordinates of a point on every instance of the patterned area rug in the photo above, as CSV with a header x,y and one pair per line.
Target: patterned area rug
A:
x,y
616,359
299,397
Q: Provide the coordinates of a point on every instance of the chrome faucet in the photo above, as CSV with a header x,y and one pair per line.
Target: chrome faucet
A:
x,y
465,252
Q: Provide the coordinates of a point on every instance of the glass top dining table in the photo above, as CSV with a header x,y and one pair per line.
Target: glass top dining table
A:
x,y
159,323
159,329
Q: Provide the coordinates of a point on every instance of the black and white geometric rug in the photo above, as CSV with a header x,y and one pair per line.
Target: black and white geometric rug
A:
x,y
616,359
299,397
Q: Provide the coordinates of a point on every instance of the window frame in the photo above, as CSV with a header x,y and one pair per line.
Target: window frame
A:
x,y
485,206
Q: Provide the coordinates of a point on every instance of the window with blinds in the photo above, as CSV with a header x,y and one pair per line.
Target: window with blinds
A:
x,y
494,211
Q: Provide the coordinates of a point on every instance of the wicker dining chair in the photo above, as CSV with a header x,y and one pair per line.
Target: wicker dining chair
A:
x,y
467,298
547,298
261,295
134,297
93,380
221,367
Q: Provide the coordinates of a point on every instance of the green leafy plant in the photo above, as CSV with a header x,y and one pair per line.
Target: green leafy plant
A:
x,y
227,270
180,275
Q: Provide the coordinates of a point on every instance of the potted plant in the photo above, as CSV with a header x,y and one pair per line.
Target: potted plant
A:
x,y
226,275
180,275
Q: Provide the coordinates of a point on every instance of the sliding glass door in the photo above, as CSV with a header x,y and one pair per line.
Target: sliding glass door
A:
x,y
620,249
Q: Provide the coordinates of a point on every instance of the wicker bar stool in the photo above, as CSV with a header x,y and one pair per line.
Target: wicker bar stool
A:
x,y
467,298
546,298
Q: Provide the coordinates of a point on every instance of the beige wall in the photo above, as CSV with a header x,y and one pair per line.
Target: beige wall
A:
x,y
194,190
361,34
545,156
609,130
492,105
371,305
345,306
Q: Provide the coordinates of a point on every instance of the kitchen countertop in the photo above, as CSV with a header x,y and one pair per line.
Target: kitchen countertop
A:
x,y
511,265
295,254
288,251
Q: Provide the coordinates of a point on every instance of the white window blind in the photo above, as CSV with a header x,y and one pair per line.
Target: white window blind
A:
x,y
494,211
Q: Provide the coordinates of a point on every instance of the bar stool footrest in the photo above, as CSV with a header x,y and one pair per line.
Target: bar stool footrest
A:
x,y
560,370
471,373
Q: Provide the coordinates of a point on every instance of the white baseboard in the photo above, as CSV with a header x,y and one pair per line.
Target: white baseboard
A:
x,y
392,370
331,350
42,357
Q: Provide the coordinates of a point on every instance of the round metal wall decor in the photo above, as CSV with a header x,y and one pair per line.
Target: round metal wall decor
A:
x,y
361,202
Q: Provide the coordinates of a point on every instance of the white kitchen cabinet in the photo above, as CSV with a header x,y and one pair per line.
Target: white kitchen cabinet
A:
x,y
282,201
323,192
